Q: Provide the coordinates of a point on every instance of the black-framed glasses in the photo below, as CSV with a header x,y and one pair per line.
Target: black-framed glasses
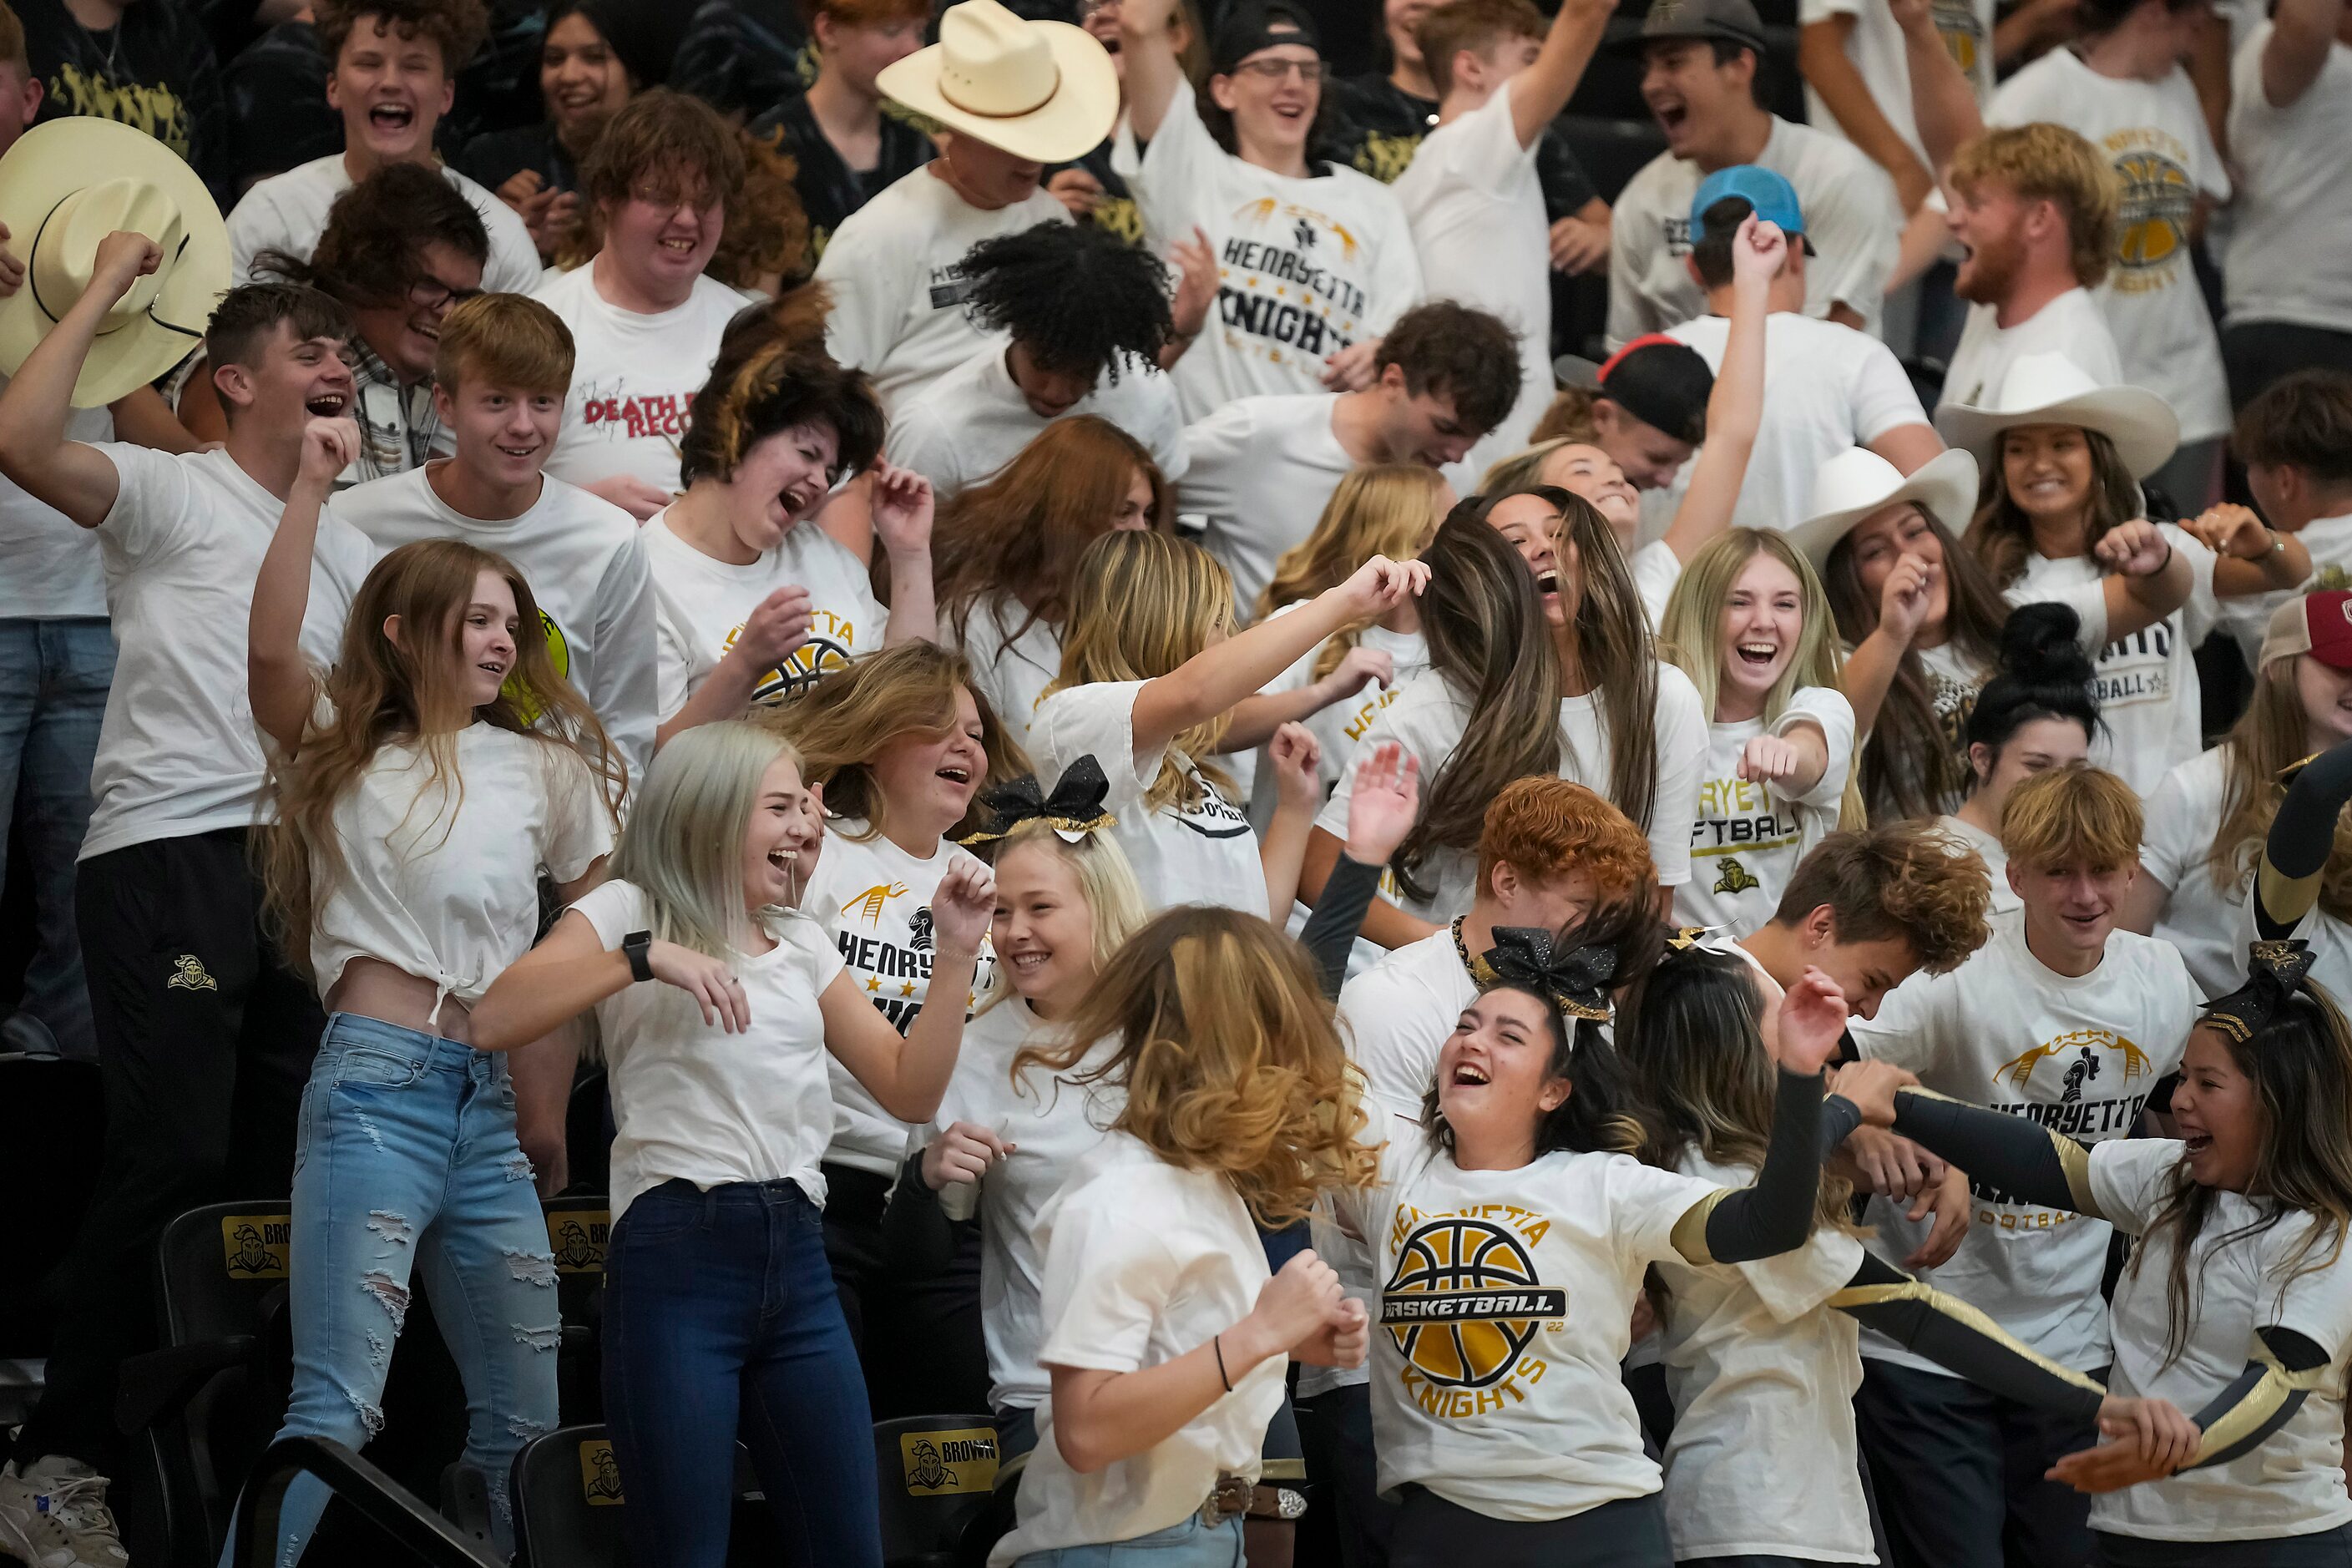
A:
x,y
1309,71
432,294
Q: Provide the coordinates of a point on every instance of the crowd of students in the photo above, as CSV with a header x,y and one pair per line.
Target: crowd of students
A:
x,y
1621,963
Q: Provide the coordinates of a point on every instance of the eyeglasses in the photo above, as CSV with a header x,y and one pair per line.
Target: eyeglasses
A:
x,y
701,202
432,294
1309,71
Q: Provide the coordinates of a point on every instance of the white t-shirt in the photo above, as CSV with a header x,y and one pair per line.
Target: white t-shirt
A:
x,y
1012,671
2202,918
2329,540
1143,1263
2293,1484
875,901
1258,472
1969,836
1826,388
49,564
2076,1055
2291,186
2331,948
1428,719
287,212
1746,838
1656,568
441,874
583,558
692,1103
2071,324
2146,683
1504,1310
177,752
1880,56
1338,727
1762,1370
1200,854
1052,1124
701,604
633,377
2154,134
1478,214
896,270
1308,266
1851,216
1398,1013
969,423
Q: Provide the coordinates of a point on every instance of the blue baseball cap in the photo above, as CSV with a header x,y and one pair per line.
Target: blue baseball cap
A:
x,y
1769,195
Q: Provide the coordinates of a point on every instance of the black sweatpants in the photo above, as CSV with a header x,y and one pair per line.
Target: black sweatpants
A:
x,y
1347,1524
1960,1473
205,1041
1431,1532
2323,1548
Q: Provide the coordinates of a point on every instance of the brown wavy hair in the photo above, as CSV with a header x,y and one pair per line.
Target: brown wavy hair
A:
x,y
767,380
2271,736
387,693
1229,1058
2000,536
1904,880
841,723
1017,536
1389,510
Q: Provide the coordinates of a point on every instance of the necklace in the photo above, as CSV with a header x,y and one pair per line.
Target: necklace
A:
x,y
113,45
1476,968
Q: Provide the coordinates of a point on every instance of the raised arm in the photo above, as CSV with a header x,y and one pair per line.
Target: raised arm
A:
x,y
1539,92
1223,674
1943,102
2303,34
277,679
2148,578
76,479
1831,73
1736,407
909,1076
901,506
1870,667
2300,836
1381,809
1149,70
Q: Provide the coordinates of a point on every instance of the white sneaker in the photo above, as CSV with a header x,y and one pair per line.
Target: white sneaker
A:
x,y
54,1515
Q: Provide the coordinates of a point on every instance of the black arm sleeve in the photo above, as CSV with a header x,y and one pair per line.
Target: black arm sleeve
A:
x,y
1954,1335
1839,1119
1338,915
2034,1163
2286,1367
1775,1214
2300,836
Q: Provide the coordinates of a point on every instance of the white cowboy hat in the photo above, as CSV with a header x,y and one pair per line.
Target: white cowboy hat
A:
x,y
1041,90
2050,389
65,187
1858,481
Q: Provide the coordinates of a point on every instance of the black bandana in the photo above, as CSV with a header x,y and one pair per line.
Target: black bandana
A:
x,y
1073,810
1577,981
2275,973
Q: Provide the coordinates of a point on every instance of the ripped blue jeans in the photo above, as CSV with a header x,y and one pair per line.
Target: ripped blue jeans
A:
x,y
407,1167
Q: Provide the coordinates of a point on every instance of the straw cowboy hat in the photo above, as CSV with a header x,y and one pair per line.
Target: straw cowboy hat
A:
x,y
1041,90
2050,389
65,187
1858,481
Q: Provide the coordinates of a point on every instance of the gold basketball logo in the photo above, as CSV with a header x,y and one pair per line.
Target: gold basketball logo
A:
x,y
1463,1300
559,654
2152,220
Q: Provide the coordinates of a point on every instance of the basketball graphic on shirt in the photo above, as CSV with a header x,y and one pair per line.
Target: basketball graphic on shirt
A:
x,y
1463,1300
803,667
559,654
2152,221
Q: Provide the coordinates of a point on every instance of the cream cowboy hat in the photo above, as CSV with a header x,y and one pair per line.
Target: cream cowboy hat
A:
x,y
1858,481
65,187
1041,90
2050,389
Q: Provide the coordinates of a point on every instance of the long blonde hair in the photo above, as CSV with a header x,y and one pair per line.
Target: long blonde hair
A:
x,y
1142,604
683,847
1114,906
1389,509
2270,736
1228,1056
406,693
841,723
1690,635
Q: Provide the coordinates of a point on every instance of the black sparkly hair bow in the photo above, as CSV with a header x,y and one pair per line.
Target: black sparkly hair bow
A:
x,y
1073,810
1576,980
2275,973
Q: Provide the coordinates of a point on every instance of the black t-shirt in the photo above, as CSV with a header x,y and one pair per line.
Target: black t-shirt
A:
x,y
829,189
745,56
1379,127
1115,209
154,72
278,112
491,161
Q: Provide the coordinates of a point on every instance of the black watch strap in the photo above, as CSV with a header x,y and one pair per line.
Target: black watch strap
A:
x,y
637,946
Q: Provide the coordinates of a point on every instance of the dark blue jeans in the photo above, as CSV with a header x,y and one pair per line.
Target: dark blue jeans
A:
x,y
721,1319
54,676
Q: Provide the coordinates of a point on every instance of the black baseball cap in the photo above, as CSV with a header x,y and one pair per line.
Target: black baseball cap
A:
x,y
1732,21
1260,24
1657,379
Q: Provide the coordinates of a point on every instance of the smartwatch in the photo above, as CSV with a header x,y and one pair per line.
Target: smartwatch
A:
x,y
637,946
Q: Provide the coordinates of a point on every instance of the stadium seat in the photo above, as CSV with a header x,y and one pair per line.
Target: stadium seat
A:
x,y
578,1227
568,1494
934,1474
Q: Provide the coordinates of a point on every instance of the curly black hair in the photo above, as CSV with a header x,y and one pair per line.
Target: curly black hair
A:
x,y
1079,298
